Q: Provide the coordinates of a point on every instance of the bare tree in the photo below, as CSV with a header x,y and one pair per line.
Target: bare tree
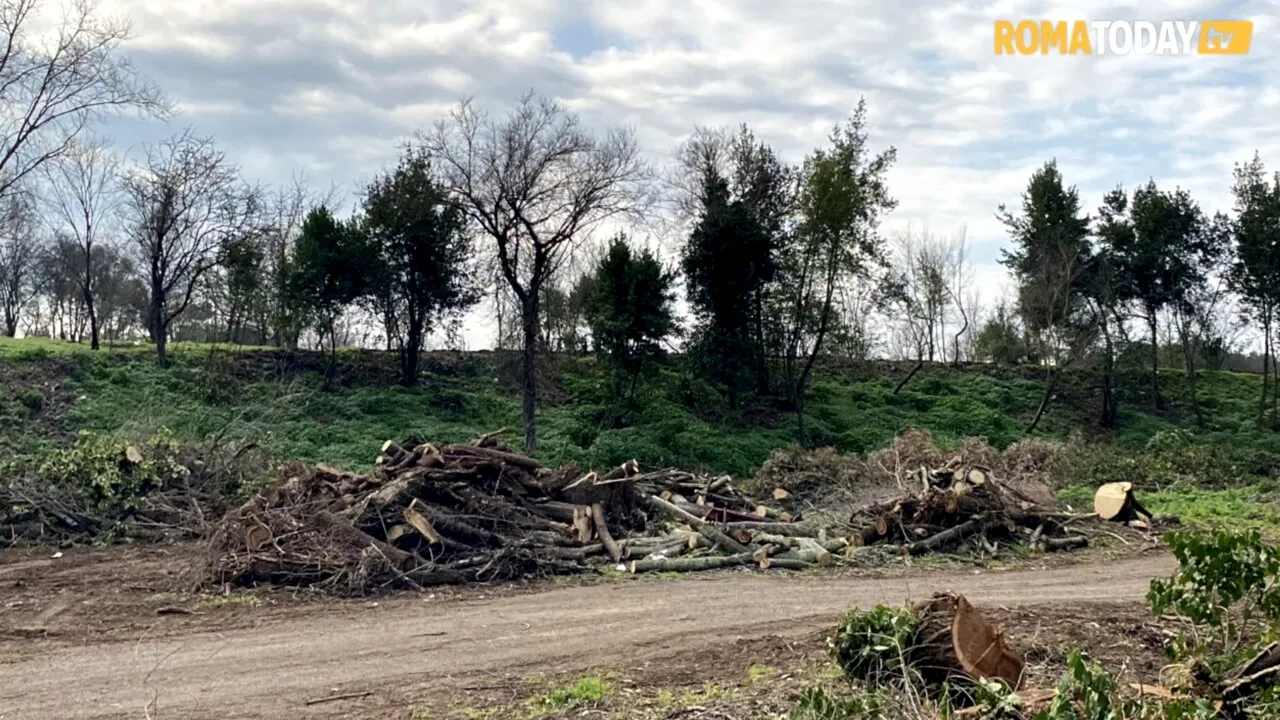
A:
x,y
56,84
959,286
921,293
20,250
284,211
181,205
537,183
82,195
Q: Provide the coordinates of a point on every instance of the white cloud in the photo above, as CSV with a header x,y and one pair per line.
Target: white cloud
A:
x,y
329,87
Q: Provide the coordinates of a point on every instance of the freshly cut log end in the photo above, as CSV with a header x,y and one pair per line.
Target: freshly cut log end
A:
x,y
953,641
780,495
976,477
1115,501
952,503
133,455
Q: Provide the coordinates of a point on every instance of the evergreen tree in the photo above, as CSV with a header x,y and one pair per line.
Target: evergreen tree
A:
x,y
630,309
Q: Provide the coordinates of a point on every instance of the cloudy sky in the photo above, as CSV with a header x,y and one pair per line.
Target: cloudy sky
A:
x,y
328,87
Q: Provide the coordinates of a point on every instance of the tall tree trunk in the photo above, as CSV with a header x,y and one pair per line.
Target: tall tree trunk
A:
x,y
528,365
412,350
761,349
1275,384
1155,359
331,367
1109,410
1188,353
1051,382
1266,363
162,344
804,438
88,297
158,327
955,359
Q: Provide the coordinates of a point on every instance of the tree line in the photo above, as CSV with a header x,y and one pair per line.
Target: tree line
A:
x,y
1099,288
780,264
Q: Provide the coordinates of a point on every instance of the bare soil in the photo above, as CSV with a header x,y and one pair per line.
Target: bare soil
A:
x,y
103,634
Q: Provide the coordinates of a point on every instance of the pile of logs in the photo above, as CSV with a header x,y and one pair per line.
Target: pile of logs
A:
x,y
957,507
475,512
479,512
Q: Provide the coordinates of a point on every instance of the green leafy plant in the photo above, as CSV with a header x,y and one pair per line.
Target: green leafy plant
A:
x,y
1088,691
116,475
995,700
818,703
1224,591
870,645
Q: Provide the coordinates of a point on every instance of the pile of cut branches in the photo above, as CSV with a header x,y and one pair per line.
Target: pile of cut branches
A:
x,y
958,506
479,512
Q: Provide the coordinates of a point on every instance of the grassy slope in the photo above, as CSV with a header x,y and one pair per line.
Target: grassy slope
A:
x,y
680,423
239,395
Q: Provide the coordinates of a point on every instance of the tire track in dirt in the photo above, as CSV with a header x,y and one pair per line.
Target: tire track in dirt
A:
x,y
268,672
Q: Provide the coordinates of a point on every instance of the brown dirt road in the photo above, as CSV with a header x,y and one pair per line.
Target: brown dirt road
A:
x,y
268,664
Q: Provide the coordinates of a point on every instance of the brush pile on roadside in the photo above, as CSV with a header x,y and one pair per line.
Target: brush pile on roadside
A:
x,y
480,512
957,505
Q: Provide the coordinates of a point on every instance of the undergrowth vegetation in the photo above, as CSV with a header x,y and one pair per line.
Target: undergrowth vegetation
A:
x,y
227,401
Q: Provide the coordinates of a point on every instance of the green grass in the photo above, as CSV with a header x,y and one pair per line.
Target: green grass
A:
x,y
197,398
1243,508
237,396
585,691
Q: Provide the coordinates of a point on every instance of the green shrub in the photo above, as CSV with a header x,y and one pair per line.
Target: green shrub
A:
x,y
1170,460
1225,592
870,645
115,475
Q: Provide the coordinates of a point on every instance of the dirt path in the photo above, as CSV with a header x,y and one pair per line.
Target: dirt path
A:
x,y
414,644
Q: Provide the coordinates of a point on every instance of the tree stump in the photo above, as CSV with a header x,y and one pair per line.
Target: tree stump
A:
x,y
1116,502
955,645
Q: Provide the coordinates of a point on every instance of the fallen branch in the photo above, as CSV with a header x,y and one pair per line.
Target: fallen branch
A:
x,y
705,529
343,696
954,534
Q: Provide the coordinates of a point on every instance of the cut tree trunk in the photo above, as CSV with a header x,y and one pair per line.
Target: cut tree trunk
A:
x,y
602,530
711,562
1116,502
954,642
